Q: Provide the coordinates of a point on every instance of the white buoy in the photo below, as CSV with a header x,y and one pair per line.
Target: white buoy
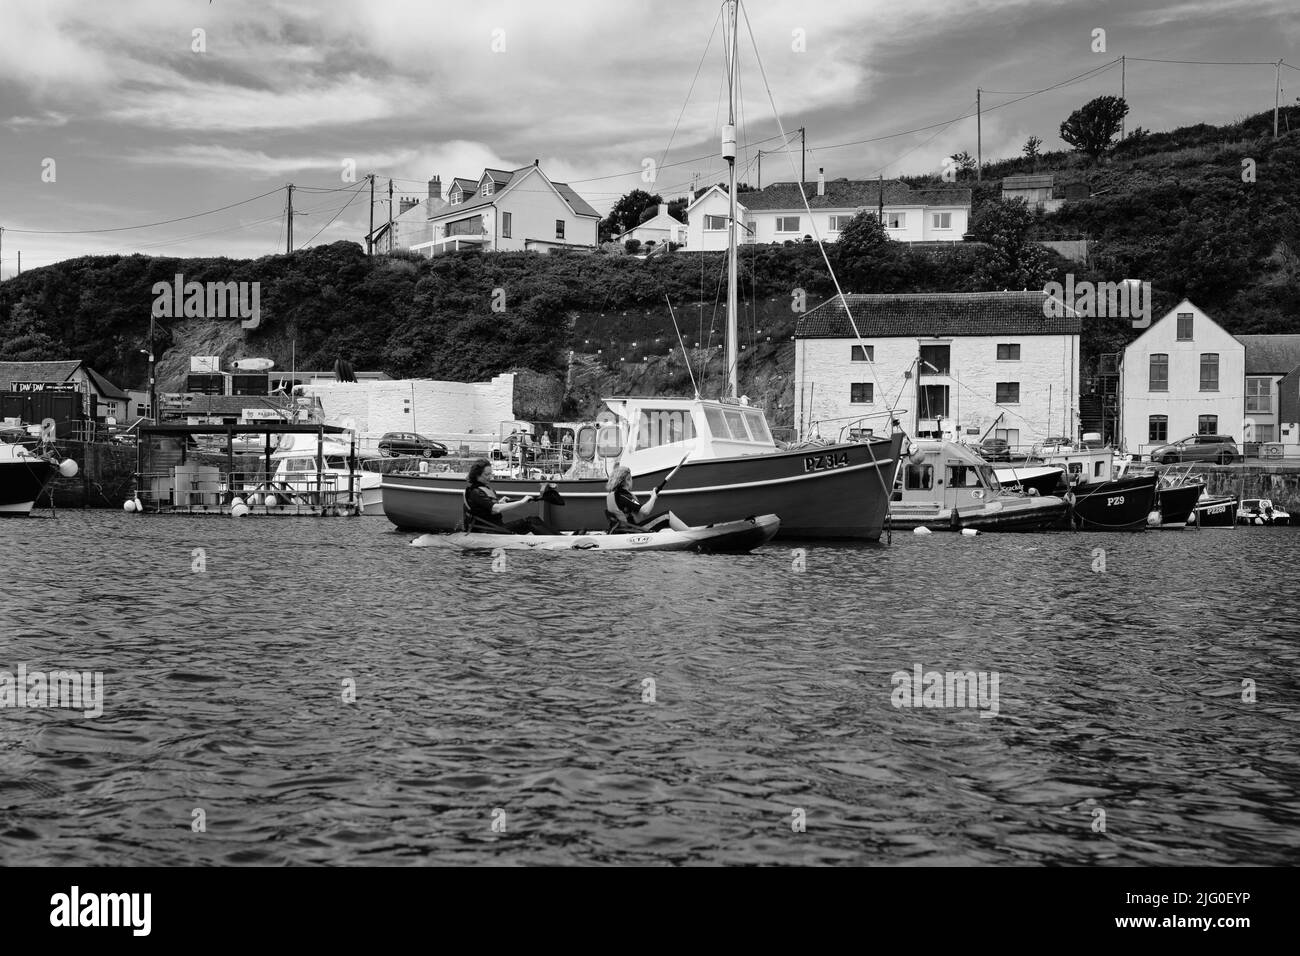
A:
x,y
921,530
970,532
68,468
1153,519
239,512
128,506
236,503
272,501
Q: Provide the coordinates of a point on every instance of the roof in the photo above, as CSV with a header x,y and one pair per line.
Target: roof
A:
x,y
203,405
1270,354
496,175
850,194
575,202
11,372
467,185
1028,181
105,387
930,314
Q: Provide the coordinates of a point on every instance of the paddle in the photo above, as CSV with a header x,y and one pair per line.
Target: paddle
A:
x,y
660,487
551,495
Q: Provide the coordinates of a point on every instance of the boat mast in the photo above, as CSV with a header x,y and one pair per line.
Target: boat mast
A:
x,y
729,154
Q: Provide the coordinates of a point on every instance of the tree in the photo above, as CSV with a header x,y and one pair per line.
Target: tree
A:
x,y
1031,147
633,246
1091,128
626,213
964,160
1015,261
864,235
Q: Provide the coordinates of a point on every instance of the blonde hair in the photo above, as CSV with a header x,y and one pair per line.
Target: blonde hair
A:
x,y
621,476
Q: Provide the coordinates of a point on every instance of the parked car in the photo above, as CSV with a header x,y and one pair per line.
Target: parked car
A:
x,y
995,449
397,444
1220,448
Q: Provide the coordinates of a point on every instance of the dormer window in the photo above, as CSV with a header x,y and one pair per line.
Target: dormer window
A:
x,y
454,196
488,188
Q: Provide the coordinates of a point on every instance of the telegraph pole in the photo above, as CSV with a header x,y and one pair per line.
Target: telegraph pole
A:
x,y
370,236
979,138
288,245
2,252
803,157
1277,95
1123,67
390,215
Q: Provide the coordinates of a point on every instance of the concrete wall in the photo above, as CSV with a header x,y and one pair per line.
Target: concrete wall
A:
x,y
1047,372
456,411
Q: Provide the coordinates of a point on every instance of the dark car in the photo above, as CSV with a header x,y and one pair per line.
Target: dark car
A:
x,y
1220,448
397,444
995,449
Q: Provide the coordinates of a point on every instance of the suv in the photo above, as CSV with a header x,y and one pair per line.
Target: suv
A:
x,y
397,444
1220,448
995,449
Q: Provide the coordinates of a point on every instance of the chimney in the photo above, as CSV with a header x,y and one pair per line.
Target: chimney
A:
x,y
435,189
821,182
405,203
663,209
534,162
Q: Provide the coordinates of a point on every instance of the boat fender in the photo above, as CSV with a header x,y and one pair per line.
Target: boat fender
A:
x,y
921,530
128,506
970,532
1153,519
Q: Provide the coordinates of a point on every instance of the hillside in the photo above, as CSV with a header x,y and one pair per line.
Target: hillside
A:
x,y
1168,207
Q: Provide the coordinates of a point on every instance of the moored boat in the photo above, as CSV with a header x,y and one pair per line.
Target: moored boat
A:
x,y
1215,511
1042,479
1261,511
25,474
729,537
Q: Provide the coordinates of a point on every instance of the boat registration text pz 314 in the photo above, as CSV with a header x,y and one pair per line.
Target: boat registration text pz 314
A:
x,y
823,462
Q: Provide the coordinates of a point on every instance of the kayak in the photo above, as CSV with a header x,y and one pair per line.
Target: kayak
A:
x,y
728,536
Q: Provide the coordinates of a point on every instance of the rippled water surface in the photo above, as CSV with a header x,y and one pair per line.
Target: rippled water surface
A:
x,y
516,695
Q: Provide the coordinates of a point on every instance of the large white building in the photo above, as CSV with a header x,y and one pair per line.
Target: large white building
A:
x,y
511,210
1184,375
965,365
776,213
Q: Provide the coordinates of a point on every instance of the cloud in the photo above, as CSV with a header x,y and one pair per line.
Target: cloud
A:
x,y
48,118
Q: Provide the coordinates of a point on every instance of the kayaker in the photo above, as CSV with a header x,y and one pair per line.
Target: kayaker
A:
x,y
485,509
625,511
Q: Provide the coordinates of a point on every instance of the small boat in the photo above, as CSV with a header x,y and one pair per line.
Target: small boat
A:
x,y
946,486
727,537
1042,479
24,474
1261,511
1215,511
295,478
1177,492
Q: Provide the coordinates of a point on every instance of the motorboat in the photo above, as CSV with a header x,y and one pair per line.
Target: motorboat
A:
x,y
1177,491
24,475
341,480
1215,511
1259,511
1100,498
726,537
1042,479
943,485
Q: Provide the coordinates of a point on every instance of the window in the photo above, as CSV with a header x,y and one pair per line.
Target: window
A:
x,y
1259,395
1008,393
934,359
1207,425
839,222
1159,379
715,222
1264,433
736,423
1184,326
919,478
943,220
758,426
657,426
559,229
453,197
864,353
934,401
141,411
1209,371
895,220
860,393
1158,429
787,223
1009,435
505,225
963,476
1009,353
487,188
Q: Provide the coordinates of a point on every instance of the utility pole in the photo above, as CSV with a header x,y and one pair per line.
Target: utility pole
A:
x,y
20,262
288,245
370,236
2,252
390,215
1277,95
1123,67
760,169
979,138
803,157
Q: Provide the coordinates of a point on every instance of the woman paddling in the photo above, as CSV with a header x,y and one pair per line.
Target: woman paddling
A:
x,y
625,511
485,510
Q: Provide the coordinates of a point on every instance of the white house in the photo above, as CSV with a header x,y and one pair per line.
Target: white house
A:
x,y
511,210
1269,358
991,365
776,213
659,228
411,220
1184,375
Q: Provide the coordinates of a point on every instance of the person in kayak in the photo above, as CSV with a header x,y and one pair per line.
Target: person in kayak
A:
x,y
485,509
625,511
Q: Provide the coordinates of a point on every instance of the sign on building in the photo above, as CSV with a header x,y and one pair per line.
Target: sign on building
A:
x,y
46,387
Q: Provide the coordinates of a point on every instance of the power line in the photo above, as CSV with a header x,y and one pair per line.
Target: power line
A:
x,y
147,225
335,216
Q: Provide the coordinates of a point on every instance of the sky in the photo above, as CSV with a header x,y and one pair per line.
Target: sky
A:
x,y
116,115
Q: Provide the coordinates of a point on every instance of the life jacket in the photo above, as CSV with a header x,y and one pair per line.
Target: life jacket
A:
x,y
618,521
473,523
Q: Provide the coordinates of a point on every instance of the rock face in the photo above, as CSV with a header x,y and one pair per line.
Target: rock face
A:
x,y
204,337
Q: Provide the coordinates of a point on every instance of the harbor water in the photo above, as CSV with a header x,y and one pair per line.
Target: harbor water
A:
x,y
302,691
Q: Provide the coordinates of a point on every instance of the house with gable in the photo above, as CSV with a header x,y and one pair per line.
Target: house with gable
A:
x,y
511,210
776,213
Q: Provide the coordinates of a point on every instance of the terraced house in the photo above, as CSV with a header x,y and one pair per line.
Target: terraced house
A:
x,y
511,210
776,213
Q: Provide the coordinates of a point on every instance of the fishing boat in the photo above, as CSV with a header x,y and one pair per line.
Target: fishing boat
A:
x,y
1215,511
340,480
1041,479
1177,491
1100,497
943,485
729,537
732,467
24,475
1259,511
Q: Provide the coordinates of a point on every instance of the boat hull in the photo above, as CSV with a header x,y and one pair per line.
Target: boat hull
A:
x,y
1121,505
1016,514
1045,481
1177,503
834,491
1215,513
732,537
21,482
